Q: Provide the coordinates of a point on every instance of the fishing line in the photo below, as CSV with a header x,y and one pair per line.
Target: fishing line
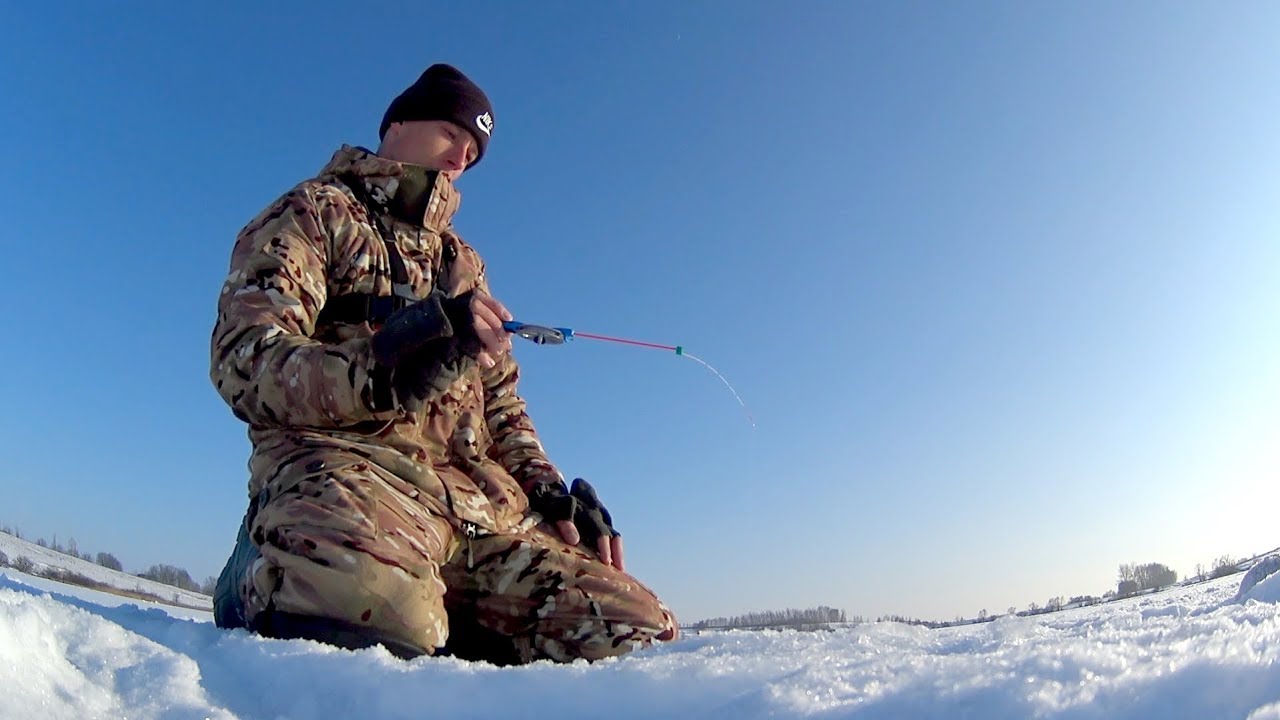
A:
x,y
543,335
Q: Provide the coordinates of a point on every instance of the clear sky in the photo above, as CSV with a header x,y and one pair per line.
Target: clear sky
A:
x,y
999,282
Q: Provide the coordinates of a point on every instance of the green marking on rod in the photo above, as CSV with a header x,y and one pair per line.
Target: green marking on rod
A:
x,y
679,349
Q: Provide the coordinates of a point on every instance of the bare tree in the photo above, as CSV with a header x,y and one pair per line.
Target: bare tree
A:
x,y
1156,575
1135,578
109,561
171,575
1225,565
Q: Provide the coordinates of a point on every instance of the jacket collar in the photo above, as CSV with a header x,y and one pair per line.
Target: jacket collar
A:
x,y
405,191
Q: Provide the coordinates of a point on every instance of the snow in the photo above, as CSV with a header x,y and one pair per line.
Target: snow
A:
x,y
1260,582
1190,652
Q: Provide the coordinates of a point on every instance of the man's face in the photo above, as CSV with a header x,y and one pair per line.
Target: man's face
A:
x,y
434,144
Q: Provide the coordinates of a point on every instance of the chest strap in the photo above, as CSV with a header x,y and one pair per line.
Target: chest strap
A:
x,y
356,308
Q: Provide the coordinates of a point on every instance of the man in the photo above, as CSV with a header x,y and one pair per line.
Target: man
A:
x,y
399,494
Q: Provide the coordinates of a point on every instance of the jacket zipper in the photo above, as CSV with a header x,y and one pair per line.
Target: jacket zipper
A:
x,y
470,530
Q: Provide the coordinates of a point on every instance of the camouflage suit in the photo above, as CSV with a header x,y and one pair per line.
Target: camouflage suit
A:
x,y
367,513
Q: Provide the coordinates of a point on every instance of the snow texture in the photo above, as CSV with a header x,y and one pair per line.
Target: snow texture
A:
x,y
1191,652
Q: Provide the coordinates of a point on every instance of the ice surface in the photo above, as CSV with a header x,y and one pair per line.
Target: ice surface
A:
x,y
1193,652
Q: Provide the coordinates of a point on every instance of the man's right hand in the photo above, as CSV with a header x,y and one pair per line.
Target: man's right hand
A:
x,y
473,318
489,314
409,330
470,324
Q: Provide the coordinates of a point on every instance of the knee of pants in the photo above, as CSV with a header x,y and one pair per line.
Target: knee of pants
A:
x,y
348,549
611,616
643,619
361,590
595,639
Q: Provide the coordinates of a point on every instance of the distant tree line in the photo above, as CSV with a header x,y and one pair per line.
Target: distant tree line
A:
x,y
810,619
167,574
26,565
905,620
1133,578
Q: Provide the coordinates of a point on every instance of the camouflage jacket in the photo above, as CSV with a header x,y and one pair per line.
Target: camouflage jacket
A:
x,y
307,390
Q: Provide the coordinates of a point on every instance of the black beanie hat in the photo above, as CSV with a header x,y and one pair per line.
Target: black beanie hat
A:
x,y
444,93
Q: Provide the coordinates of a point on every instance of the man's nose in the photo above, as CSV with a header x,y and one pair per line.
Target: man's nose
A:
x,y
458,158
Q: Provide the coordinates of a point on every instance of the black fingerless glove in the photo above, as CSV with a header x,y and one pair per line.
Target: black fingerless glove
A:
x,y
410,329
417,340
580,505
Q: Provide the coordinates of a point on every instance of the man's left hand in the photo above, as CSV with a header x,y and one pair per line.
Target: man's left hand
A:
x,y
579,516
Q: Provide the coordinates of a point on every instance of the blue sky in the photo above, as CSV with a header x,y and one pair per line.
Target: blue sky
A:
x,y
997,281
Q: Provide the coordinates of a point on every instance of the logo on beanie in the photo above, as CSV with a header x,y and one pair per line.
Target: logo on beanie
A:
x,y
485,123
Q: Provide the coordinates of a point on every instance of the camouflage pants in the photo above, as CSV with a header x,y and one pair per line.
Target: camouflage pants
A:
x,y
354,544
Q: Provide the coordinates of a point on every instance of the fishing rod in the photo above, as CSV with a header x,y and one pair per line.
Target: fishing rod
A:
x,y
545,335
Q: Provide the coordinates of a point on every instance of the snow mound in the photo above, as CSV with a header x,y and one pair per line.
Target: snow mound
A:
x,y
1266,712
1261,582
78,665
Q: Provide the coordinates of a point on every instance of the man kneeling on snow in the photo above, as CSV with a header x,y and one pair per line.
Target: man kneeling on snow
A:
x,y
399,494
